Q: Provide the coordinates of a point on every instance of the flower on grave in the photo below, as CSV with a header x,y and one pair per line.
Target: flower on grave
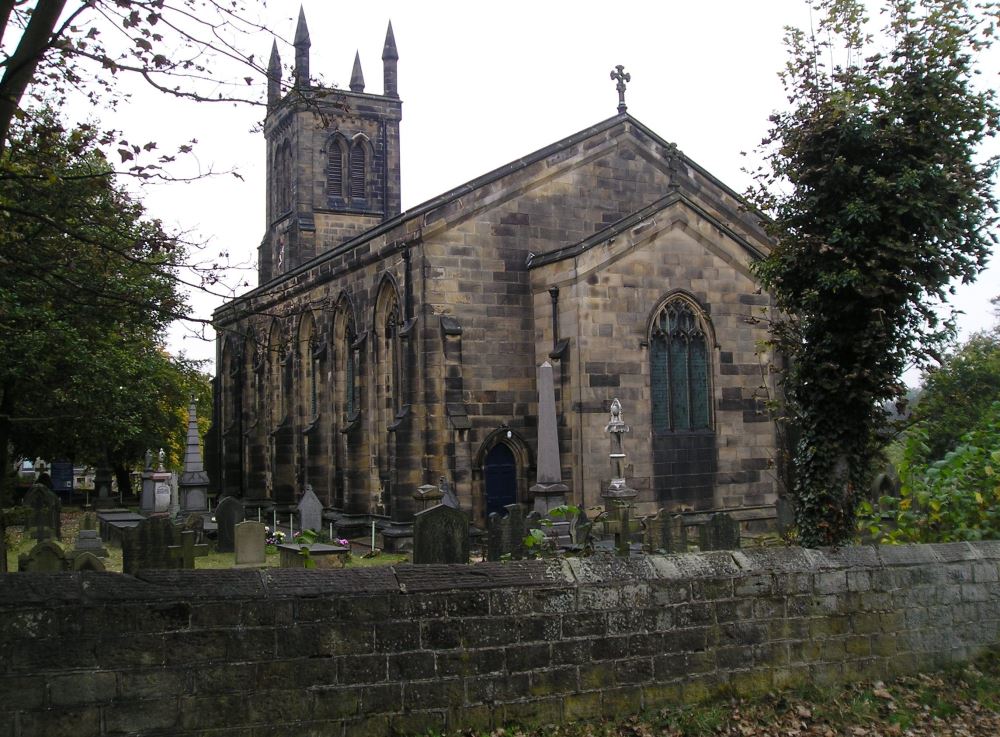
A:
x,y
344,542
273,538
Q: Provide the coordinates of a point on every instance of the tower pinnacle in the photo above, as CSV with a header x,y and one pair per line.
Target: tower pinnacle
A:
x,y
274,76
389,58
357,77
302,45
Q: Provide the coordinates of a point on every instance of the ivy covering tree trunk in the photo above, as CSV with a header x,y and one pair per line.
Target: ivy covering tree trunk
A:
x,y
877,203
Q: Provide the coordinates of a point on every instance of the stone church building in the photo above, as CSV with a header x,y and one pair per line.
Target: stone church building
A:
x,y
385,350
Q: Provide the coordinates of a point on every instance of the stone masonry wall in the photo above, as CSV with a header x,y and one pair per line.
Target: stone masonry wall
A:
x,y
404,650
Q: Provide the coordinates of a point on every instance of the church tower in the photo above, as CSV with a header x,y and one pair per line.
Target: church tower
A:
x,y
332,158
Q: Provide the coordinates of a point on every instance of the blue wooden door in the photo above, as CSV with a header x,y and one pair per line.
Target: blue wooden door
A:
x,y
500,471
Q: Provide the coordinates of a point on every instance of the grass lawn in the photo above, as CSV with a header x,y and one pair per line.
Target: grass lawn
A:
x,y
17,544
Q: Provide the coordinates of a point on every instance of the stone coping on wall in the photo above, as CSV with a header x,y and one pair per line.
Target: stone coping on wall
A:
x,y
30,590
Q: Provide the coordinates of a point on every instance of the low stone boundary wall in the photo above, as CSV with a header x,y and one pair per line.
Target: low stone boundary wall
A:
x,y
407,649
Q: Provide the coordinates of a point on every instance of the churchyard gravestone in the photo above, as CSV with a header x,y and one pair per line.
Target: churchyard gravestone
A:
x,y
227,515
441,535
183,554
45,513
720,532
87,540
784,508
310,511
505,535
196,524
46,557
249,538
112,524
147,545
665,533
87,562
313,555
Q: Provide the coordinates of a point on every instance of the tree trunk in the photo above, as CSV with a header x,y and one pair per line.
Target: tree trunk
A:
x,y
124,479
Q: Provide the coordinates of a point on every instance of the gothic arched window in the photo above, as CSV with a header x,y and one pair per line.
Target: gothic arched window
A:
x,y
359,169
335,159
252,367
275,375
679,374
228,379
309,362
346,358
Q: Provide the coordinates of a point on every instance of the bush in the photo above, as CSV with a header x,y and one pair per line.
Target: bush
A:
x,y
951,499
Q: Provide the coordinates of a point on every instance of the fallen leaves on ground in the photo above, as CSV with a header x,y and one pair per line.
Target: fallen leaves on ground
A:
x,y
960,702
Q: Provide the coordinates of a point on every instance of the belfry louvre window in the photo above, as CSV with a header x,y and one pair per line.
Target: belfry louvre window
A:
x,y
679,372
358,166
335,171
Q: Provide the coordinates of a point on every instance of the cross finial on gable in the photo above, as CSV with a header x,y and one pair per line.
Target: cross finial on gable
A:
x,y
619,74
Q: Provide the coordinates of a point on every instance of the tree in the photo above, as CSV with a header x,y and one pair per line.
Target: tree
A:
x,y
87,45
85,296
877,202
956,396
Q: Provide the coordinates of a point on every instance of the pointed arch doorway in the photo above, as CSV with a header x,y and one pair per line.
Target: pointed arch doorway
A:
x,y
500,477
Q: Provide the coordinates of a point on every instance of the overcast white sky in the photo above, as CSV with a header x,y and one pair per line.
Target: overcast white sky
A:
x,y
483,84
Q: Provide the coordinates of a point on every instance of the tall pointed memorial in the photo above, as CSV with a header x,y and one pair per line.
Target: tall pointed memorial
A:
x,y
193,481
549,490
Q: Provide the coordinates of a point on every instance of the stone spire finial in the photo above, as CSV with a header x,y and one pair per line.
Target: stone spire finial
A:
x,y
389,58
619,74
274,76
357,77
302,45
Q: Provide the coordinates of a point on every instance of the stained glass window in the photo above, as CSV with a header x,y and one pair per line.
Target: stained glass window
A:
x,y
679,374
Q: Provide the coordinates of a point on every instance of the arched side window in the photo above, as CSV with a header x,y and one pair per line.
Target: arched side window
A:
x,y
359,165
679,371
275,375
228,375
388,355
309,363
345,365
336,158
252,365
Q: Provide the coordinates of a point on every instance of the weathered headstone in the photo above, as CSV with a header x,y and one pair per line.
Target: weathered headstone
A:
x,y
87,540
183,555
46,557
720,532
665,533
196,524
147,545
310,511
441,535
250,544
505,535
45,513
580,529
87,562
102,486
227,515
162,493
784,508
313,555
